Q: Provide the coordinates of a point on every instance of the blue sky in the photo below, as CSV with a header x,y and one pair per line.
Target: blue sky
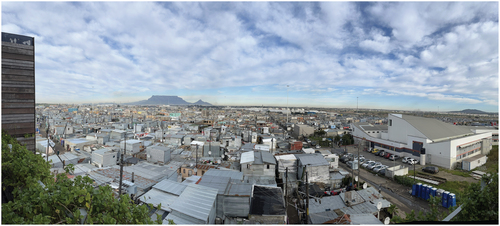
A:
x,y
392,55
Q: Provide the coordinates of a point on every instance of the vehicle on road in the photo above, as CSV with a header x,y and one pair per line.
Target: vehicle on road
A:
x,y
405,159
430,169
394,157
378,168
317,146
387,155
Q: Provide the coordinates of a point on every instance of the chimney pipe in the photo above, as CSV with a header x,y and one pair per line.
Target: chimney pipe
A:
x,y
132,177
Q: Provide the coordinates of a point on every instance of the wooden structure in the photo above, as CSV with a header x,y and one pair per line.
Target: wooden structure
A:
x,y
18,88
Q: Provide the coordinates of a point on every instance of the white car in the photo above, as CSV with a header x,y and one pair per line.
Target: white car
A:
x,y
367,163
412,161
374,165
405,159
378,168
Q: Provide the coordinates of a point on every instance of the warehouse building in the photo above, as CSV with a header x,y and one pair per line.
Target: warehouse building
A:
x,y
429,140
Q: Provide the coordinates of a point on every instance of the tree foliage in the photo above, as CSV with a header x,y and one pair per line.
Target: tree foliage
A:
x,y
39,198
480,204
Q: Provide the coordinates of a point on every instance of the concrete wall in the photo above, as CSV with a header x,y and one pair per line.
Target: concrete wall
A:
x,y
400,129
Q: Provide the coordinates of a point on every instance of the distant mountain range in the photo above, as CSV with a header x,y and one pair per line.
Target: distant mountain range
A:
x,y
470,111
167,100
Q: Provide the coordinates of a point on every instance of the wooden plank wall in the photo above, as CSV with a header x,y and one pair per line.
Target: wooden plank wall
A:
x,y
18,92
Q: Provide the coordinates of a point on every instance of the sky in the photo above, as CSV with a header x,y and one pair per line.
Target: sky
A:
x,y
425,56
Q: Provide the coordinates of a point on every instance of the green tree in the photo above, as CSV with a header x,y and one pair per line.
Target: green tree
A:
x,y
39,198
480,204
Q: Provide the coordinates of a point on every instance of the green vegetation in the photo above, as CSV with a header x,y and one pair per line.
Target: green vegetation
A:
x,y
434,213
492,162
36,198
478,205
456,172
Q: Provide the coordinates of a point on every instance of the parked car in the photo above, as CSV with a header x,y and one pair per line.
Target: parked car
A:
x,y
430,169
381,172
349,164
378,168
394,157
412,161
375,151
374,165
367,162
387,155
405,159
344,159
381,153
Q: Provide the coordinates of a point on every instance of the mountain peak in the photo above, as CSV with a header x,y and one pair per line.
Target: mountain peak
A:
x,y
167,100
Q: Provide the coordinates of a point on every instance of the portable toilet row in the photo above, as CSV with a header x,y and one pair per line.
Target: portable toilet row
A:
x,y
448,200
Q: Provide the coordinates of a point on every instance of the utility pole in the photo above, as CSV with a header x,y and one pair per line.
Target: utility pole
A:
x,y
307,197
357,182
48,144
287,104
286,187
121,165
196,157
357,105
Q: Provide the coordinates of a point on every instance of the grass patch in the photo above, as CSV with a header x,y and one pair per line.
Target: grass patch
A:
x,y
456,172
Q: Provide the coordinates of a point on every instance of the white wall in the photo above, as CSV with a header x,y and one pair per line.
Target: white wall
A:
x,y
400,129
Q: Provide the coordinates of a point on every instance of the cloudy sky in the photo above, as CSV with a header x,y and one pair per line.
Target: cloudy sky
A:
x,y
393,55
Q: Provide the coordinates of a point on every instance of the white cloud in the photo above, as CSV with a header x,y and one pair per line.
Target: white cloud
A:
x,y
439,51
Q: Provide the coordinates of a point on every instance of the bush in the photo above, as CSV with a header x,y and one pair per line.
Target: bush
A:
x,y
404,180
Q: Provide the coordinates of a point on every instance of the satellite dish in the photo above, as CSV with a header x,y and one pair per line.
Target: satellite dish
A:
x,y
387,220
365,186
379,205
356,178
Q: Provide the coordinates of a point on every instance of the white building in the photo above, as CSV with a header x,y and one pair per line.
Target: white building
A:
x,y
445,144
104,157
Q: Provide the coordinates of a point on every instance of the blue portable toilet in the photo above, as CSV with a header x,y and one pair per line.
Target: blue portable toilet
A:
x,y
422,191
452,200
445,199
433,192
413,188
427,192
417,190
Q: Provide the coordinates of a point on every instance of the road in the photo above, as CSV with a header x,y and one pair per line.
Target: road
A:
x,y
58,146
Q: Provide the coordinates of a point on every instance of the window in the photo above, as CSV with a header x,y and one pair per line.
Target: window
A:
x,y
202,172
184,171
190,172
390,122
248,166
267,166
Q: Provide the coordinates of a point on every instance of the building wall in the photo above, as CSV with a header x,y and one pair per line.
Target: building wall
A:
x,y
18,88
400,130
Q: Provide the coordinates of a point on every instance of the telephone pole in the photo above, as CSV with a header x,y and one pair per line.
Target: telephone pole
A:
x,y
307,197
121,165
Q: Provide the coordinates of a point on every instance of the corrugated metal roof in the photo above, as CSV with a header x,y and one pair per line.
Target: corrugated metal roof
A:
x,y
219,183
196,201
99,179
435,129
328,203
225,173
364,219
239,189
361,208
286,157
247,157
355,198
155,197
369,194
385,203
177,219
322,217
261,180
312,159
268,157
370,127
169,186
